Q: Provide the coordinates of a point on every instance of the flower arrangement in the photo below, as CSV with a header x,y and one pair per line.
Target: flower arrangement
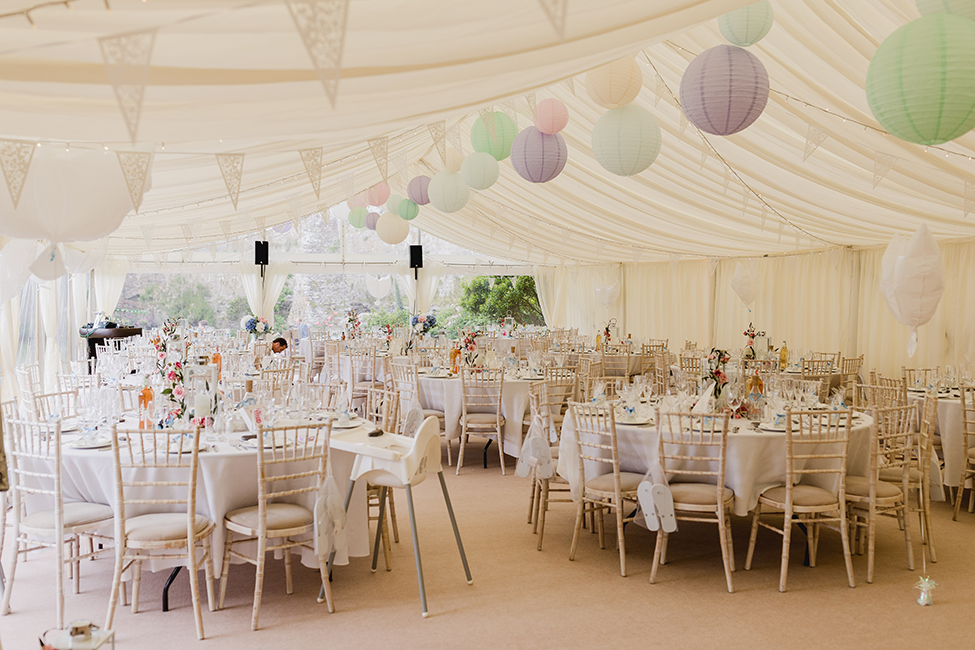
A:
x,y
423,324
353,325
254,324
716,365
750,334
174,390
607,330
469,347
170,367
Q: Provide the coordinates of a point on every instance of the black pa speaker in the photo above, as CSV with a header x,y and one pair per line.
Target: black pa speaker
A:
x,y
416,257
260,253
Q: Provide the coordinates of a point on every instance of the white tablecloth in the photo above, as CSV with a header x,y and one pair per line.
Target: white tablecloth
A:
x,y
952,430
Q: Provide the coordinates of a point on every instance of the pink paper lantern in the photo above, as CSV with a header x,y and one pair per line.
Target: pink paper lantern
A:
x,y
724,90
360,200
538,157
551,116
371,220
378,194
417,190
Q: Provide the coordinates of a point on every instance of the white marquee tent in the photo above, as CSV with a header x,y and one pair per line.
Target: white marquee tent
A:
x,y
805,199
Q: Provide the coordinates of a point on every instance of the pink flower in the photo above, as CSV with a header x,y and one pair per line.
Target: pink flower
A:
x,y
171,376
161,356
179,391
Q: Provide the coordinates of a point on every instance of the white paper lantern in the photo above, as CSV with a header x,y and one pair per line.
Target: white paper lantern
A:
x,y
480,171
448,192
626,140
745,284
391,228
615,84
912,280
454,160
608,295
748,25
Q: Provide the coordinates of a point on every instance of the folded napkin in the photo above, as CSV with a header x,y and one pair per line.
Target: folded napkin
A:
x,y
777,407
704,403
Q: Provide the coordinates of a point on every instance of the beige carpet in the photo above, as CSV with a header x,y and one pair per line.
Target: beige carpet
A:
x,y
525,599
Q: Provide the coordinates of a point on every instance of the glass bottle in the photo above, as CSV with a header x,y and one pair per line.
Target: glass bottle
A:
x,y
783,356
146,399
218,362
455,360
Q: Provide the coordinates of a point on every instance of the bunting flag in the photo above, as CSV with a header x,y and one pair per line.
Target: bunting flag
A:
x,y
637,254
135,167
544,258
713,261
473,221
531,104
147,234
453,135
570,83
297,223
232,168
659,91
882,163
347,183
834,255
261,225
487,116
814,137
225,228
969,197
158,259
511,241
727,179
509,109
15,157
556,11
212,248
781,227
764,215
531,227
491,231
683,123
321,24
565,236
294,202
188,229
744,202
127,59
674,259
528,250
380,152
312,159
704,157
399,169
438,130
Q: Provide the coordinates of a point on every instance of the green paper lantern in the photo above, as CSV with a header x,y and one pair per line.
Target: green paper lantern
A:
x,y
921,81
357,216
626,140
392,204
408,210
497,144
964,8
480,170
748,25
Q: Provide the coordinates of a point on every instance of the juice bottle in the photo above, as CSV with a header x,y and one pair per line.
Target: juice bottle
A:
x,y
218,362
783,356
146,398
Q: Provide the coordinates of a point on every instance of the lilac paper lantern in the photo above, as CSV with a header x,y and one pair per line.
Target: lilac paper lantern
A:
x,y
538,157
371,220
724,90
417,190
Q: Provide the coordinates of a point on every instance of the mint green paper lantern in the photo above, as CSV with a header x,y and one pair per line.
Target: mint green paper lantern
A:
x,y
357,216
921,81
408,209
497,144
392,203
748,25
964,8
626,140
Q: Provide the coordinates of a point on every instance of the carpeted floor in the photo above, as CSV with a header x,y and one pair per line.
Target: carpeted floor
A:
x,y
522,598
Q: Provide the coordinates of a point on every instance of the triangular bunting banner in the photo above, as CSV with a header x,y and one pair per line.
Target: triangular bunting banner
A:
x,y
509,110
474,221
380,151
713,261
15,157
312,159
298,224
347,183
491,231
764,216
438,131
814,137
969,197
147,234
727,180
321,24
683,123
453,136
511,241
882,163
212,248
600,247
637,254
399,169
834,255
261,224
557,11
232,168
544,258
565,236
781,227
158,259
135,167
294,202
674,259
487,116
659,91
570,83
127,59
225,228
704,157
531,104
188,233
744,202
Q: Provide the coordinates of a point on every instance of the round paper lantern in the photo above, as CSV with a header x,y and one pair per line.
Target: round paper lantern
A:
x,y
626,140
748,25
964,8
357,216
454,160
538,157
551,116
724,90
360,200
378,193
497,140
615,84
480,171
448,192
408,210
417,190
391,228
392,203
921,81
371,220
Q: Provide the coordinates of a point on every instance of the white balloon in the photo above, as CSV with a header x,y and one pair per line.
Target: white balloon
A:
x,y
378,287
15,260
49,265
744,283
608,295
912,280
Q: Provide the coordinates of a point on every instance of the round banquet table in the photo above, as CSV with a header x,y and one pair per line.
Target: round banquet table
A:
x,y
951,427
754,460
227,480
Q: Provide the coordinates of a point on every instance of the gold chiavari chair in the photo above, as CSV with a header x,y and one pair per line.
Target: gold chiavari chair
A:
x,y
967,448
541,405
481,409
382,410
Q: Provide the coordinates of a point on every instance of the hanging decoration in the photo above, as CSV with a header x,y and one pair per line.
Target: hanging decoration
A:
x,y
438,131
378,194
882,163
127,59
392,229
453,136
380,152
294,204
378,287
921,81
455,158
615,84
814,138
965,8
551,116
448,192
357,216
626,140
745,284
392,204
15,157
409,210
417,190
557,12
371,219
538,157
321,25
360,200
487,116
724,90
347,183
498,145
232,168
608,295
147,234
480,171
135,168
312,160
530,98
748,25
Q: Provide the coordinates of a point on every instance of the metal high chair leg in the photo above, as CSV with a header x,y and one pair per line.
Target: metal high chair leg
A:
x,y
453,522
416,552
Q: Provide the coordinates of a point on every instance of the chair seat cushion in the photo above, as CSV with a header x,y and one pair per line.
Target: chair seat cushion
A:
x,y
481,419
76,513
893,474
605,483
971,453
802,495
279,516
859,486
161,526
431,413
698,494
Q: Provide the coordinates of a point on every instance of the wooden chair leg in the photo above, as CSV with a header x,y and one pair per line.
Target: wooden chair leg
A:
x,y
599,524
847,558
193,567
540,517
208,570
725,552
928,530
786,540
501,450
136,584
9,587
620,540
580,513
460,454
225,569
752,536
288,584
534,497
392,516
657,549
259,579
326,587
958,498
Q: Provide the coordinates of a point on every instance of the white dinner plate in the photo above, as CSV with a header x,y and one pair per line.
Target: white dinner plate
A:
x,y
438,376
97,443
770,427
636,422
353,423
